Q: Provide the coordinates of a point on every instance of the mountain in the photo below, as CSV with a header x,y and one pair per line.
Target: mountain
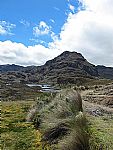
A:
x,y
13,67
69,67
105,72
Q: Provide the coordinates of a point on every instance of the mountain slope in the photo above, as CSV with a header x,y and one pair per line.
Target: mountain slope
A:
x,y
69,67
105,72
13,67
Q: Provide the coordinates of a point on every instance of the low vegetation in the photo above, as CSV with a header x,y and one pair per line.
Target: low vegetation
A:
x,y
101,133
16,133
60,119
56,122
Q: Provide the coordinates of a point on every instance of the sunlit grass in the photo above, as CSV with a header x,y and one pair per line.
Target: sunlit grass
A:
x,y
16,133
101,133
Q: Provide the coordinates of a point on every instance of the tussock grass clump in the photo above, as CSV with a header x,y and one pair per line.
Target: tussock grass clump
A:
x,y
77,138
42,100
62,122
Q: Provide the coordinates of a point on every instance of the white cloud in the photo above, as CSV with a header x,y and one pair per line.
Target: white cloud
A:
x,y
90,32
6,28
72,8
36,40
56,8
52,20
25,23
2,30
41,29
99,6
18,53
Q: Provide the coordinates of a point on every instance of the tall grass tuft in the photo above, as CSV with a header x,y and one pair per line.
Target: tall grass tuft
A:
x,y
63,123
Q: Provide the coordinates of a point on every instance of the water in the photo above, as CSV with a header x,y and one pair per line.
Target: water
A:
x,y
34,85
44,87
40,85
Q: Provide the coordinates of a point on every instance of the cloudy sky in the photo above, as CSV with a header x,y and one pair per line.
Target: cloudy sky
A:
x,y
34,31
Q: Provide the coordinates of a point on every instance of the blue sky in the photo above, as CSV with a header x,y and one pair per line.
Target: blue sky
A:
x,y
34,31
31,12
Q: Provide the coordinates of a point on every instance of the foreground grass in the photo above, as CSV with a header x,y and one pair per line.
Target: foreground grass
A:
x,y
61,121
16,134
101,133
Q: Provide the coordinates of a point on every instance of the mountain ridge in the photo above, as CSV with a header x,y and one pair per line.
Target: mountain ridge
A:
x,y
67,67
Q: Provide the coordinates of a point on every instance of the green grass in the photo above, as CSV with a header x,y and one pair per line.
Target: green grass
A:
x,y
101,133
16,133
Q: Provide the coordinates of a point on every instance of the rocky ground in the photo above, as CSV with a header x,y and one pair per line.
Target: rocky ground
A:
x,y
99,101
98,107
102,95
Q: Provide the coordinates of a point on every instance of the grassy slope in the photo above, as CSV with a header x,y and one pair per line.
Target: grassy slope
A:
x,y
101,133
16,134
19,135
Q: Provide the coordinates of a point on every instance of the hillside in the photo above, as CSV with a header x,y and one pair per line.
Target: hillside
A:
x,y
69,67
13,67
105,72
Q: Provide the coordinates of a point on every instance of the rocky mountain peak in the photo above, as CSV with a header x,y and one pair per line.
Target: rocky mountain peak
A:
x,y
65,68
66,56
